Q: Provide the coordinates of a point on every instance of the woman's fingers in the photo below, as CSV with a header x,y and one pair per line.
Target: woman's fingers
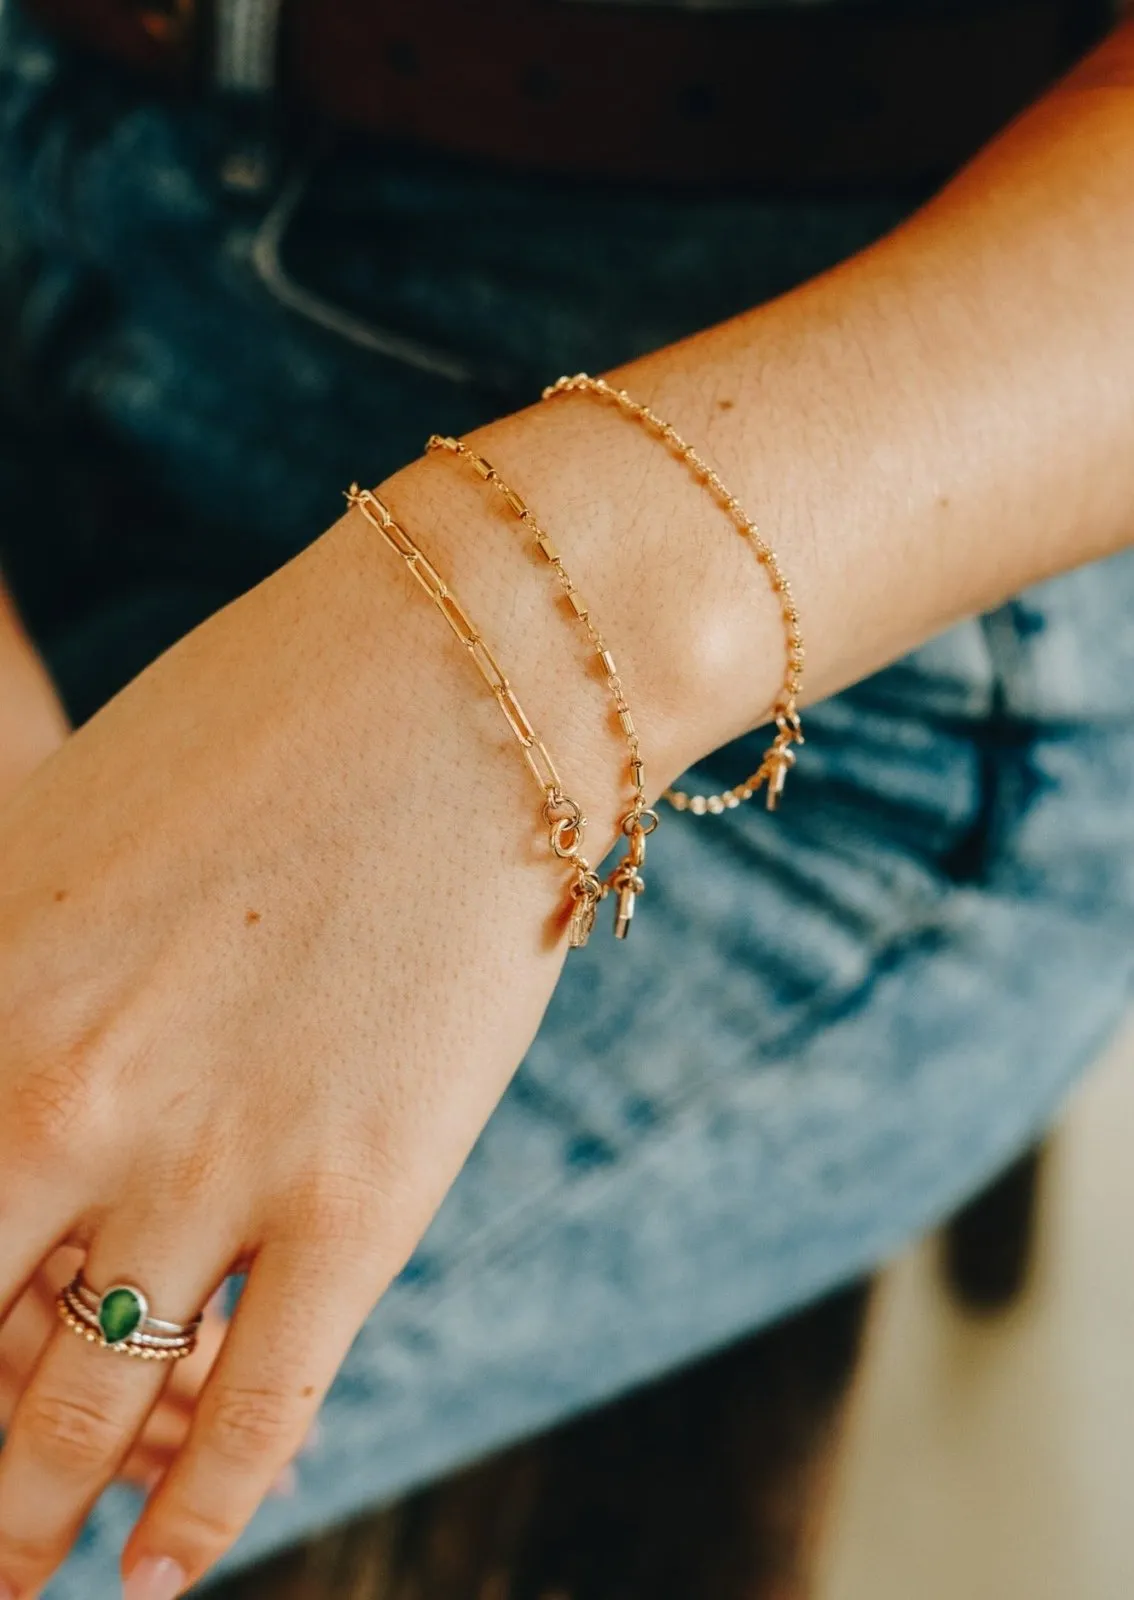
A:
x,y
29,1324
187,1378
76,1423
23,1334
297,1318
34,1322
72,1430
27,1236
167,1426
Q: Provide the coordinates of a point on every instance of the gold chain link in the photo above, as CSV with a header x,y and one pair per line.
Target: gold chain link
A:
x,y
565,820
639,821
780,754
579,608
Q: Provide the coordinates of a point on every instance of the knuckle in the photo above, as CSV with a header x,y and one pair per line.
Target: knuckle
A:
x,y
205,1531
70,1432
61,1105
191,1176
335,1209
248,1425
52,1104
26,1559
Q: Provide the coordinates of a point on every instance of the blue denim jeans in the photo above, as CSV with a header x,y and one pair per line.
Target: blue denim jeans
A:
x,y
832,1024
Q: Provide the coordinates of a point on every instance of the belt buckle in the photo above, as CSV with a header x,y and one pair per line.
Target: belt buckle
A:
x,y
169,23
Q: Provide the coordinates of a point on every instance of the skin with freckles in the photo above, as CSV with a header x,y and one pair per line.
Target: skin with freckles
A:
x,y
278,925
32,726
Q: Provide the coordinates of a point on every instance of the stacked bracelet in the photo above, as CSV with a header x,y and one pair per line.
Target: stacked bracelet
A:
x,y
564,818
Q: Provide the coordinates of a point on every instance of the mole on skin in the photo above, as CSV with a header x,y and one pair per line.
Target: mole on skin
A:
x,y
250,917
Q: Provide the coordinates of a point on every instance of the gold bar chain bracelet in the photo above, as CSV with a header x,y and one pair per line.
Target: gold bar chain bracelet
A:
x,y
779,757
626,882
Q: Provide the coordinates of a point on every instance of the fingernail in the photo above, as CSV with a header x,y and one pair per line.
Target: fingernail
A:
x,y
155,1578
284,1487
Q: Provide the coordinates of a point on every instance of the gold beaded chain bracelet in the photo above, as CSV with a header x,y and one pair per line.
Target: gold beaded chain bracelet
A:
x,y
626,880
565,821
780,754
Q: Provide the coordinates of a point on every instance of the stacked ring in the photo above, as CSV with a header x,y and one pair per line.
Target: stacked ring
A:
x,y
120,1320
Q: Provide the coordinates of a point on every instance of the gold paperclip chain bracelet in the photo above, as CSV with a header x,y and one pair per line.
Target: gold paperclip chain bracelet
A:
x,y
565,821
780,754
626,880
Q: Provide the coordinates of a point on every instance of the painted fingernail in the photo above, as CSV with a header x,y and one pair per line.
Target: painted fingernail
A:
x,y
284,1487
155,1578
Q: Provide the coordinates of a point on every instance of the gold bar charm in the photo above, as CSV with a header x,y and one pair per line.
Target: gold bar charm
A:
x,y
627,885
782,760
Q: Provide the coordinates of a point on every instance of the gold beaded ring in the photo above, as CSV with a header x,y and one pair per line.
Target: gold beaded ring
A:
x,y
779,757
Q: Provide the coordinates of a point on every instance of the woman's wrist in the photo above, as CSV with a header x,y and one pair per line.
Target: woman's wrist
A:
x,y
700,658
928,429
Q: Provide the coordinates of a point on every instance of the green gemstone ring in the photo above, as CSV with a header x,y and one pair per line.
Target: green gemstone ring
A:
x,y
120,1320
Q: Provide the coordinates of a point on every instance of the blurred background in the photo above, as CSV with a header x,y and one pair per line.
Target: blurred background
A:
x,y
993,1458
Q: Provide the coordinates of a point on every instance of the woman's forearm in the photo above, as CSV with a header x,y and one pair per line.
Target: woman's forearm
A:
x,y
939,422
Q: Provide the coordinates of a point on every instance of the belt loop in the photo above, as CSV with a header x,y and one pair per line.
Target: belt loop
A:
x,y
244,72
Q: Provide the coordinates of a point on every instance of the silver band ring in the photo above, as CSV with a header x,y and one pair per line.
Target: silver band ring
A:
x,y
120,1320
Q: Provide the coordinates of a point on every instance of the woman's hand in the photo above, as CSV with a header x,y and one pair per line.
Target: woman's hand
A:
x,y
277,926
32,726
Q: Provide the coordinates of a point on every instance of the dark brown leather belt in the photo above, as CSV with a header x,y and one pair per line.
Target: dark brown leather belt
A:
x,y
808,95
